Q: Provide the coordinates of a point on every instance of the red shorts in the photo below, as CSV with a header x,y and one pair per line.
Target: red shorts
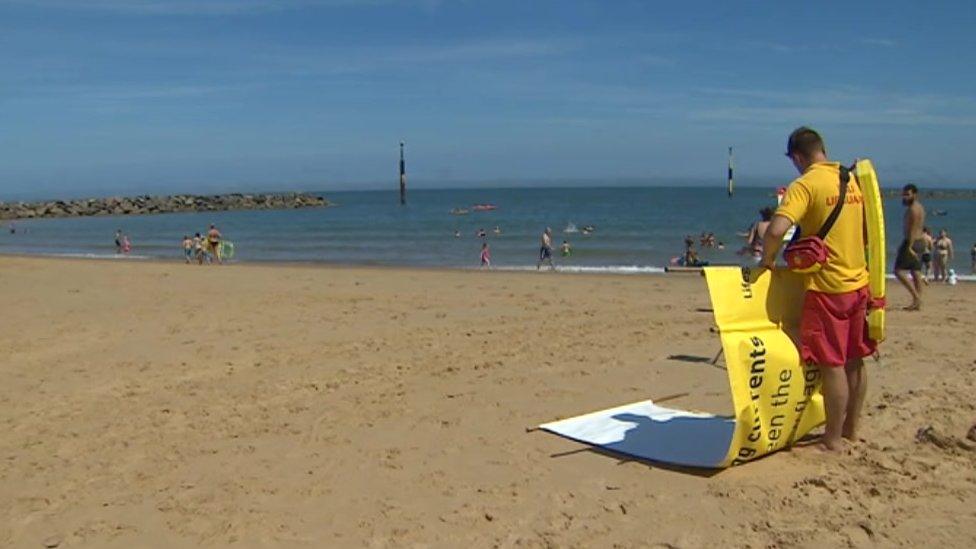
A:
x,y
834,328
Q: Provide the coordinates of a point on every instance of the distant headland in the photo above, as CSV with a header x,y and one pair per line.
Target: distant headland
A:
x,y
145,205
939,194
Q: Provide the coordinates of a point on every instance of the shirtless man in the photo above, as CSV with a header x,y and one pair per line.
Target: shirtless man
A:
x,y
911,248
545,250
928,243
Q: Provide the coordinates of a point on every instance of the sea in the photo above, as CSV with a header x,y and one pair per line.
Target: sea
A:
x,y
634,230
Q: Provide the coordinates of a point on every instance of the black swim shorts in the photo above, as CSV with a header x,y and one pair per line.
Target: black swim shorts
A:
x,y
905,261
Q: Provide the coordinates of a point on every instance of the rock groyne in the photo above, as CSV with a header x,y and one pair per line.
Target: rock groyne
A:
x,y
939,194
145,205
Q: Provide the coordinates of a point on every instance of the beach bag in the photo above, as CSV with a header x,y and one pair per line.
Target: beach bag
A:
x,y
809,254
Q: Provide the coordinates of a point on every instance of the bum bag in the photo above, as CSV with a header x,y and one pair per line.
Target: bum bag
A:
x,y
809,254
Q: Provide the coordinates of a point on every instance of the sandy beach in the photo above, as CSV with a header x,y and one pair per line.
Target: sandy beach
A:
x,y
152,404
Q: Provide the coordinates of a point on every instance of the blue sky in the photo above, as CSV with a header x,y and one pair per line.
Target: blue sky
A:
x,y
194,95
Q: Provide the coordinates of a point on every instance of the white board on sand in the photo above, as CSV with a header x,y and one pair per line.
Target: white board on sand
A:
x,y
646,431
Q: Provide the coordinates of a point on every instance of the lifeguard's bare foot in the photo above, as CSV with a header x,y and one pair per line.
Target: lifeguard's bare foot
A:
x,y
831,446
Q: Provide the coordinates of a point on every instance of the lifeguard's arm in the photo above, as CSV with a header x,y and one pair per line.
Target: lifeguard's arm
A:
x,y
773,239
790,211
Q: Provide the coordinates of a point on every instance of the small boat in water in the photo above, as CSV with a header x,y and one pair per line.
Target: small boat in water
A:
x,y
484,207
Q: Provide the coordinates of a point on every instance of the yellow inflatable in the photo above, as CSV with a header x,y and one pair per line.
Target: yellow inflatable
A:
x,y
874,219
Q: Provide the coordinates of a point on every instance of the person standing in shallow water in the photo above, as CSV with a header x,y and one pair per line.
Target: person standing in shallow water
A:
x,y
754,240
545,250
187,248
213,239
927,242
485,256
833,321
199,249
944,254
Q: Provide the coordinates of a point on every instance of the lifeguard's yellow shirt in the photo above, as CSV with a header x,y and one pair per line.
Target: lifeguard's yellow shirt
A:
x,y
808,202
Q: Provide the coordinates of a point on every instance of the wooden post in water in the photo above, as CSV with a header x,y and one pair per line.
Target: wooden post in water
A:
x,y
403,177
730,172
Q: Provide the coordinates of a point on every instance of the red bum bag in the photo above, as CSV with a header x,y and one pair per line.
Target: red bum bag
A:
x,y
809,254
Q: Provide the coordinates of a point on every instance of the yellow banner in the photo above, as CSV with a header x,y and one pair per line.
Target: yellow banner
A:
x,y
776,398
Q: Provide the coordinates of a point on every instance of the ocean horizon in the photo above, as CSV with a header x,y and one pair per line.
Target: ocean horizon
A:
x,y
636,229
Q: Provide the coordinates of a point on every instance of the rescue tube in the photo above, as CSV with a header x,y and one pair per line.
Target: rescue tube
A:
x,y
874,220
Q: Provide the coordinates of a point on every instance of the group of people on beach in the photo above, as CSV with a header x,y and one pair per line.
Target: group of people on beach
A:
x,y
203,249
545,248
937,254
927,258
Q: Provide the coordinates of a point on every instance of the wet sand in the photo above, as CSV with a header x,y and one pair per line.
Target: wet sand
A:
x,y
149,404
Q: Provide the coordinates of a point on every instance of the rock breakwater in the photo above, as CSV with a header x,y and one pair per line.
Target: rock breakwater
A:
x,y
145,205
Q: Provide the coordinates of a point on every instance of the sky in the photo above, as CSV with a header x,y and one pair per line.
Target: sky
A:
x,y
134,96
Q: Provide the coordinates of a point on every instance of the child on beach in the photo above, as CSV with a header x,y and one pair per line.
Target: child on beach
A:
x,y
198,249
485,256
126,245
566,250
187,248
